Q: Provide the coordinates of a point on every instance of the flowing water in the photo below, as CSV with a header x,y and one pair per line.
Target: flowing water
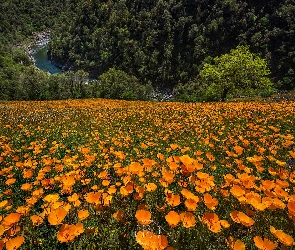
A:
x,y
41,58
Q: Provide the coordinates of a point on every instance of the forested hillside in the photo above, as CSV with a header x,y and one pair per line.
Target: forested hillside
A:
x,y
158,43
166,42
20,18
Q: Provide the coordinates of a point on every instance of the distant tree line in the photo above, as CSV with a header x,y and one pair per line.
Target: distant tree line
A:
x,y
21,80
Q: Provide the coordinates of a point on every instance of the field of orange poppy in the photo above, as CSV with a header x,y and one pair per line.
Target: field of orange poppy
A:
x,y
107,174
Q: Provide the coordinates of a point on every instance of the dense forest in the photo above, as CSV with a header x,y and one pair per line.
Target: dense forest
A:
x,y
159,43
166,42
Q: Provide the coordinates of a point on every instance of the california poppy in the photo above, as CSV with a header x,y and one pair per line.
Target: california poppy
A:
x,y
15,243
241,218
150,187
56,216
265,244
37,220
173,199
11,219
188,219
119,215
83,214
210,202
191,204
67,233
143,217
172,218
284,238
211,220
235,244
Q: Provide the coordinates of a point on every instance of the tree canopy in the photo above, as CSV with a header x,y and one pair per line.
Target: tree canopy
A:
x,y
166,42
238,71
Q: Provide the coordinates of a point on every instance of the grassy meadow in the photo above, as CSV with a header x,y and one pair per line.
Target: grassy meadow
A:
x,y
106,174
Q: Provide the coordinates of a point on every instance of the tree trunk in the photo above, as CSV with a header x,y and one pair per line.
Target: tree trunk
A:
x,y
224,93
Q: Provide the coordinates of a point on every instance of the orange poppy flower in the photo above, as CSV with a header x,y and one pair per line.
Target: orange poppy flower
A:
x,y
26,187
150,187
68,180
161,209
11,219
174,146
2,230
112,189
211,220
210,202
277,203
161,156
237,191
83,214
148,240
105,183
127,189
51,198
224,223
173,199
265,244
172,218
188,219
173,166
3,203
15,243
189,195
135,168
284,238
37,220
119,215
235,244
224,192
210,156
239,150
143,238
168,176
10,181
56,216
291,207
74,197
191,204
93,197
162,242
241,218
143,217
28,173
67,233
186,160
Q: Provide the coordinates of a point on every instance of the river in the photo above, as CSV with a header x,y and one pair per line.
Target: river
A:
x,y
41,60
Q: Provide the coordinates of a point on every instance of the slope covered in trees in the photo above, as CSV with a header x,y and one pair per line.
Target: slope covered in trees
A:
x,y
152,42
167,42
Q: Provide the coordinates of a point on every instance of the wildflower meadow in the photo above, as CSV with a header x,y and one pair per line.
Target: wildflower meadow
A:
x,y
107,174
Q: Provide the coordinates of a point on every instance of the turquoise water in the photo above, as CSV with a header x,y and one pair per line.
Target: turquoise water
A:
x,y
41,60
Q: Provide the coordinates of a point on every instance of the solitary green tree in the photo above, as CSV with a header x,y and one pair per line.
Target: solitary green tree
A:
x,y
235,72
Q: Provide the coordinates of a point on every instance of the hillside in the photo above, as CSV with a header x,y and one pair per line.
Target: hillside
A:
x,y
167,42
117,175
155,43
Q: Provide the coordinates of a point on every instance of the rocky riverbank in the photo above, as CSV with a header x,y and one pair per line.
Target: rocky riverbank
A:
x,y
37,39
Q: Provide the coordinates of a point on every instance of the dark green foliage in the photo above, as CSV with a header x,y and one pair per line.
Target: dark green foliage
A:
x,y
236,73
20,18
165,42
116,84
